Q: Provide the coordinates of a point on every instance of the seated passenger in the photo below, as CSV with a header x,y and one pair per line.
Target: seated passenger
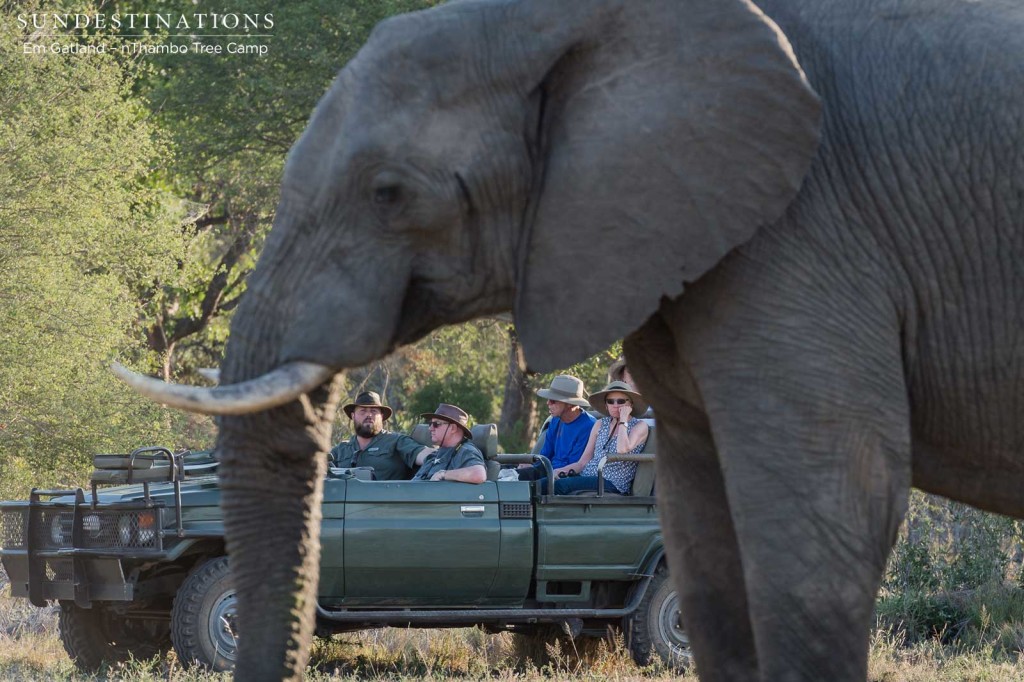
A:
x,y
393,456
569,429
456,458
619,371
618,432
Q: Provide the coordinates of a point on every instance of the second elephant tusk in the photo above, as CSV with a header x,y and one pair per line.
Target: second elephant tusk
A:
x,y
277,387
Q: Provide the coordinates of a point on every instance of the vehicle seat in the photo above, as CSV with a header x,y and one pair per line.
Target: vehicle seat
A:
x,y
421,434
540,438
643,481
485,438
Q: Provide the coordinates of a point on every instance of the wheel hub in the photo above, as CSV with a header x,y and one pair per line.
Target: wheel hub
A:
x,y
223,629
670,626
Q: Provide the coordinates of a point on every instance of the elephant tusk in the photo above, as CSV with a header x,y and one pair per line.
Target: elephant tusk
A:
x,y
210,374
280,386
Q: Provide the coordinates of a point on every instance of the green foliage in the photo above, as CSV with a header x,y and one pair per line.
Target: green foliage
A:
x,y
79,229
472,396
231,120
949,546
954,576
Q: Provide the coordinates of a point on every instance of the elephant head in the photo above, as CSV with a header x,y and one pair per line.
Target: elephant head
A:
x,y
572,162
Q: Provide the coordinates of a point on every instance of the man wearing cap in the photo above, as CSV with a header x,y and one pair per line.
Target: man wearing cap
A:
x,y
568,430
393,456
456,458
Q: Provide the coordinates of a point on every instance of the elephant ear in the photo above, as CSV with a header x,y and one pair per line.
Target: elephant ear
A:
x,y
670,131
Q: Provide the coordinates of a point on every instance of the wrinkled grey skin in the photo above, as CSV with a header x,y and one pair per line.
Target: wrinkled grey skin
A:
x,y
819,272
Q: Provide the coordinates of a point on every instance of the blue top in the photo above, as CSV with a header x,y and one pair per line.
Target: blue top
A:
x,y
565,443
619,473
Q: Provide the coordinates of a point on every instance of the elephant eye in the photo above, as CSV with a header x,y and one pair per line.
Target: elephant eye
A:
x,y
387,195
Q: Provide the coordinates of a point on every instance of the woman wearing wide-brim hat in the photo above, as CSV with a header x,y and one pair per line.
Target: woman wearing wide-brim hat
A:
x,y
618,432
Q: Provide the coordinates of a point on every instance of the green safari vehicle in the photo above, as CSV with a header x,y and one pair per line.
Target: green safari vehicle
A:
x,y
138,563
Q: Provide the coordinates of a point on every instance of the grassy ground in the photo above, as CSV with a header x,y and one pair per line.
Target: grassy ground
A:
x,y
30,649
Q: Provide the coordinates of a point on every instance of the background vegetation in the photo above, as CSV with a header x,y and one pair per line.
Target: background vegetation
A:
x,y
135,193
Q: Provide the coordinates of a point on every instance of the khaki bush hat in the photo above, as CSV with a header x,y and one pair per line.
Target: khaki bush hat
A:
x,y
566,388
368,399
451,414
597,399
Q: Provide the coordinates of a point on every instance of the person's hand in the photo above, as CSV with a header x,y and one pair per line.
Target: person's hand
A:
x,y
439,476
625,410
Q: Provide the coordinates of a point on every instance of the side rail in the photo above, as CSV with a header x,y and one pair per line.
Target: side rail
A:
x,y
640,458
531,458
647,481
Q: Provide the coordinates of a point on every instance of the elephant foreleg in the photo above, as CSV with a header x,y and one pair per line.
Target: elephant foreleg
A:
x,y
816,468
703,555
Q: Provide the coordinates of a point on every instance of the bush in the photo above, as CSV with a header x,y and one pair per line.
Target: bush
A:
x,y
471,395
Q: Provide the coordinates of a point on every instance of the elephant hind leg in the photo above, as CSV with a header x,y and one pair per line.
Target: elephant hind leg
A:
x,y
701,548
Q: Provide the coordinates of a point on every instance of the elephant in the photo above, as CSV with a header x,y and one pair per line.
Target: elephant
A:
x,y
804,217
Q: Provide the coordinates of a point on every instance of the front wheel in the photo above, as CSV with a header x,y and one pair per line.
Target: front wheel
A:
x,y
203,619
655,627
96,636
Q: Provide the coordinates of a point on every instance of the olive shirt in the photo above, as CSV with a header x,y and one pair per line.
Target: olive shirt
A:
x,y
463,455
392,455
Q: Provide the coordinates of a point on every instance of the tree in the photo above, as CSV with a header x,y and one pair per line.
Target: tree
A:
x,y
79,228
232,119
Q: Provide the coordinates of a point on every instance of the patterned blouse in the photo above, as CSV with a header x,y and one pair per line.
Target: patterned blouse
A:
x,y
619,474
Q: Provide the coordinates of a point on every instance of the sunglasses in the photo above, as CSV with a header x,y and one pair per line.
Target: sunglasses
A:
x,y
616,401
437,425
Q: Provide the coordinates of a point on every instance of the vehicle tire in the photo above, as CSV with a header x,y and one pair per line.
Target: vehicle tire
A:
x,y
96,636
203,618
655,627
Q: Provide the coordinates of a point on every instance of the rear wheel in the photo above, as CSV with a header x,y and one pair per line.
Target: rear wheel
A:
x,y
655,626
96,636
203,620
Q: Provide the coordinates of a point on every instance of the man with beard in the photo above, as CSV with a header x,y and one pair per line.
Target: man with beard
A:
x,y
393,456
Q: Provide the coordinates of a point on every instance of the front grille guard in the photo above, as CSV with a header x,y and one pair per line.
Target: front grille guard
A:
x,y
38,513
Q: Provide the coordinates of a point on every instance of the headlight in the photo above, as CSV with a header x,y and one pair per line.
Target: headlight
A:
x,y
124,529
57,531
91,524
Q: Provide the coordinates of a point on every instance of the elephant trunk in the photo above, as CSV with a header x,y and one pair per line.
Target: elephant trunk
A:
x,y
272,470
272,489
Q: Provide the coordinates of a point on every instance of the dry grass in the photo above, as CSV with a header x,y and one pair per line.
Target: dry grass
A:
x,y
30,649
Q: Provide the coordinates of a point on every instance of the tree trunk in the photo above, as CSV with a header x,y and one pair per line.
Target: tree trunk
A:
x,y
519,408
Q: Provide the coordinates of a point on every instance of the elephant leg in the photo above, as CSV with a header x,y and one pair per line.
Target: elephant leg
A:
x,y
704,558
272,481
812,436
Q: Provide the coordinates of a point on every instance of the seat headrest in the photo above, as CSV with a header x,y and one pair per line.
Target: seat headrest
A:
x,y
421,434
485,438
650,445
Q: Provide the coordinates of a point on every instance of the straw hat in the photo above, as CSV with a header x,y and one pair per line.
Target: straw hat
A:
x,y
597,399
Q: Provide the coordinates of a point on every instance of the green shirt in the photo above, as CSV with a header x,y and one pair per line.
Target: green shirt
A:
x,y
461,456
392,455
